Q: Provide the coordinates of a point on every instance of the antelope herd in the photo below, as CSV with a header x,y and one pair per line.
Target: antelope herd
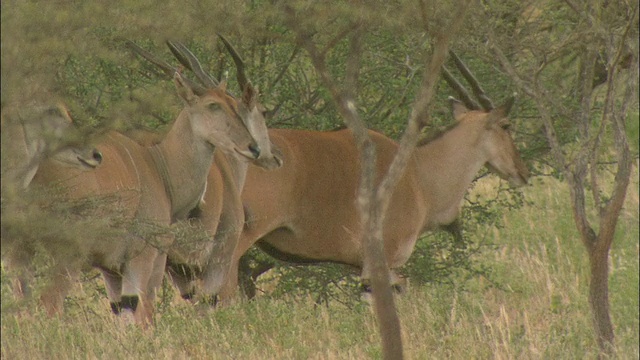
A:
x,y
292,193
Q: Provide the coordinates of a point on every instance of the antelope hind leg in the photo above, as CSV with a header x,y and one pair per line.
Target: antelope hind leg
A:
x,y
228,291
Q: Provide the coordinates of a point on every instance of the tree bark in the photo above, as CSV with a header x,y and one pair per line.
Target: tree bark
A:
x,y
373,201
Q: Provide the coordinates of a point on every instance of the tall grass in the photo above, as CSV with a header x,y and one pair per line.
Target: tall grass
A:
x,y
537,310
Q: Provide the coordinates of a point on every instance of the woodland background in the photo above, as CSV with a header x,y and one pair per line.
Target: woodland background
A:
x,y
518,290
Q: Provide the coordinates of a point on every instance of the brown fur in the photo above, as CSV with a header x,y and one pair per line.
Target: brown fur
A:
x,y
307,208
155,185
222,214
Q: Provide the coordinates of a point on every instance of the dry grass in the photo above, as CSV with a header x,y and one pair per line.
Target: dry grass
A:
x,y
539,311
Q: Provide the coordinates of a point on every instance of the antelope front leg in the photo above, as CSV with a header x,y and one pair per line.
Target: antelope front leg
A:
x,y
155,281
113,283
136,277
229,289
398,283
61,282
219,264
237,247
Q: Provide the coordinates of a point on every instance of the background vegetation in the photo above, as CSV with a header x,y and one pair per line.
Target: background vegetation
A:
x,y
532,305
518,290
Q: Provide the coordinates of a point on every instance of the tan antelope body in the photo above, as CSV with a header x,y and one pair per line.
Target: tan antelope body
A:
x,y
222,215
157,185
30,136
306,210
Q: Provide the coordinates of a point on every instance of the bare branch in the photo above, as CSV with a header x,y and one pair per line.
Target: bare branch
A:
x,y
284,67
612,209
341,35
420,110
573,6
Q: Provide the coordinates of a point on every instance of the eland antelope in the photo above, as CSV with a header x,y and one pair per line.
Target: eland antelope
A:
x,y
30,135
156,185
306,210
221,212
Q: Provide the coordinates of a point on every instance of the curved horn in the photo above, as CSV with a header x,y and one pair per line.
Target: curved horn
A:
x,y
242,78
167,69
459,89
475,84
186,58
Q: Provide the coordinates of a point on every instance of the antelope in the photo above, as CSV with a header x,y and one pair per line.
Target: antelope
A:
x,y
221,212
29,136
305,211
41,131
156,185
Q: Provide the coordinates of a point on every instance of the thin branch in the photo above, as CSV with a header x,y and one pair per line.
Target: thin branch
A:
x,y
284,68
621,182
575,180
420,110
573,6
341,35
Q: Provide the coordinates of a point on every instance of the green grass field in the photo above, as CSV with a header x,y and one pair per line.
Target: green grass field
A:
x,y
539,311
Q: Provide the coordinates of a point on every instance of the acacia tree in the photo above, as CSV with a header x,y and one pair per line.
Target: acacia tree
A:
x,y
593,56
373,200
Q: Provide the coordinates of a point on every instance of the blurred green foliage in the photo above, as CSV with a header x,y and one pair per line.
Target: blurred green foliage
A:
x,y
74,51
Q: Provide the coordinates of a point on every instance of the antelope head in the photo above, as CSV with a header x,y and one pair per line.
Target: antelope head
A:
x,y
503,157
250,111
215,116
63,141
45,132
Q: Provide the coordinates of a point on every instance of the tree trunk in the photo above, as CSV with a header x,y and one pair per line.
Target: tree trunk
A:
x,y
599,298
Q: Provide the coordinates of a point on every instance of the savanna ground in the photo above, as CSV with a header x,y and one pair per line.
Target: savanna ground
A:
x,y
534,307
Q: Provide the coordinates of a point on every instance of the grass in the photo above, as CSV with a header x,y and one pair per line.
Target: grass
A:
x,y
539,311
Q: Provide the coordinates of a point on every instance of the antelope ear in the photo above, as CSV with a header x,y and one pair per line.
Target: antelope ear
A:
x,y
503,110
250,96
223,86
184,90
498,116
458,108
64,111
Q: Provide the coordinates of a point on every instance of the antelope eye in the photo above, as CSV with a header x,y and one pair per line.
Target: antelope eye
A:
x,y
214,107
506,126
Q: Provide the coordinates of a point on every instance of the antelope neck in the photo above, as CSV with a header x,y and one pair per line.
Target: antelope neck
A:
x,y
161,165
447,166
